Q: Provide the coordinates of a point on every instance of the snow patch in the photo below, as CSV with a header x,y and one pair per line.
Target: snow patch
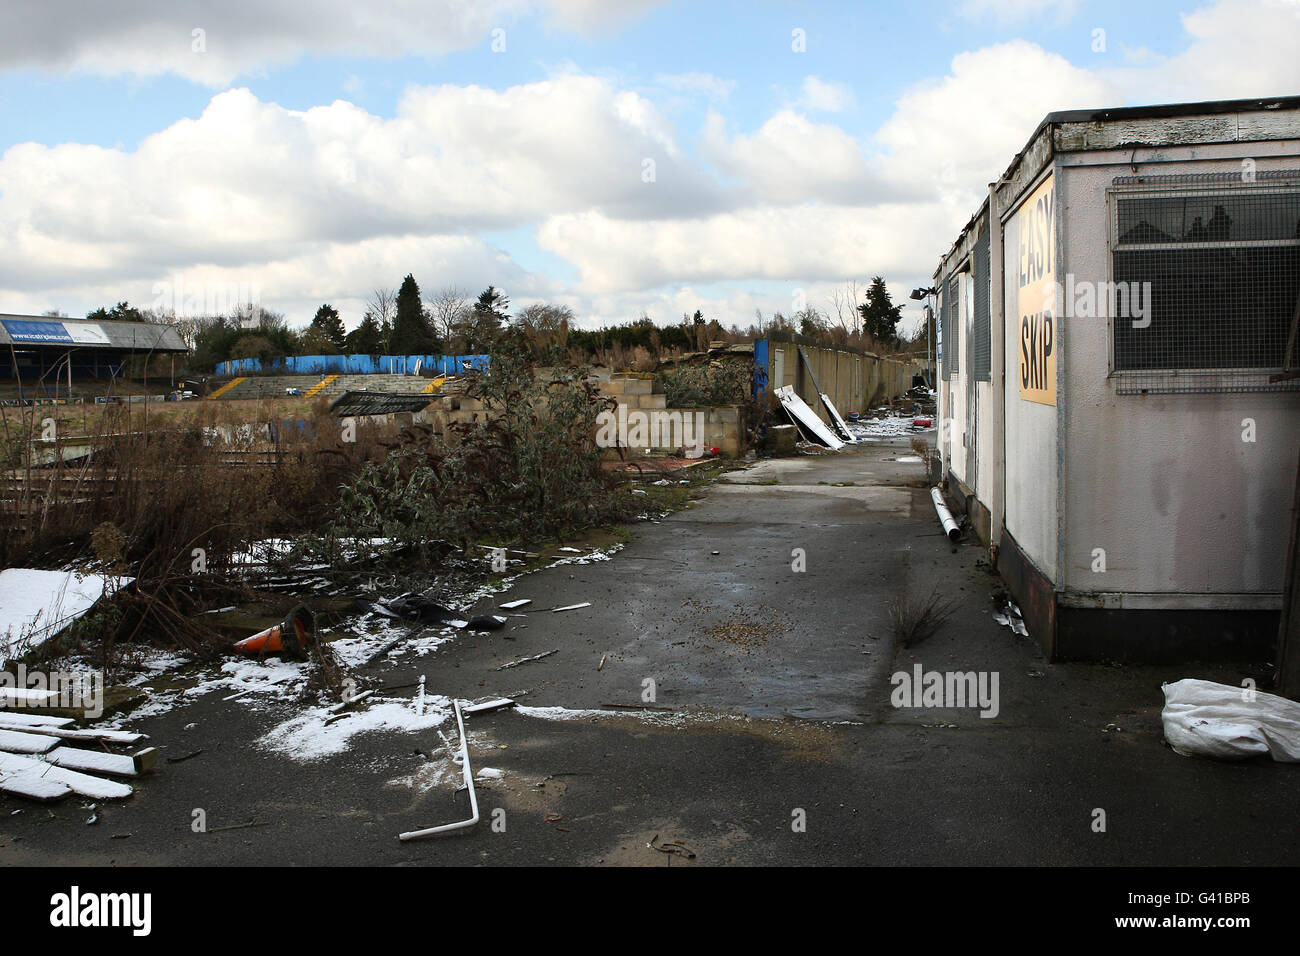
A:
x,y
36,605
307,737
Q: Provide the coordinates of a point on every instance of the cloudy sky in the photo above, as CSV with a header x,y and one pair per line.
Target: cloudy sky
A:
x,y
656,156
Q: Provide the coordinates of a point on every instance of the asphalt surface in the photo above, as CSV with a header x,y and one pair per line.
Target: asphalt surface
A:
x,y
772,688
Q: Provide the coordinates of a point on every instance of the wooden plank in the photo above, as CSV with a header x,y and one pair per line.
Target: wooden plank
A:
x,y
145,760
32,787
23,696
80,783
18,742
14,720
92,761
123,737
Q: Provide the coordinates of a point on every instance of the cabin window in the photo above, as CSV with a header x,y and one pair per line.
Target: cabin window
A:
x,y
1205,289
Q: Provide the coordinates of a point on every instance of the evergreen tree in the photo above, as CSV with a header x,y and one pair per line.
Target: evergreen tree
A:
x,y
487,319
122,312
411,333
366,338
328,323
880,317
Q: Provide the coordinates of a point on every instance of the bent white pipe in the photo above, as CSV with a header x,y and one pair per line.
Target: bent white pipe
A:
x,y
469,782
945,516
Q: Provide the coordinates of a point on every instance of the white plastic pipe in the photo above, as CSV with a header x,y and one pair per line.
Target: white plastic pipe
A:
x,y
469,782
945,516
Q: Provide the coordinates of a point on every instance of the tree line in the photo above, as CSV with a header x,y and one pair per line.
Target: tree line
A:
x,y
403,322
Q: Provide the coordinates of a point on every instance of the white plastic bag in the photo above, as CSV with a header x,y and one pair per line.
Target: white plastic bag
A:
x,y
1205,719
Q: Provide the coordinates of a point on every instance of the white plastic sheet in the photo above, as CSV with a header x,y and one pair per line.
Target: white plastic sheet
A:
x,y
805,416
1205,719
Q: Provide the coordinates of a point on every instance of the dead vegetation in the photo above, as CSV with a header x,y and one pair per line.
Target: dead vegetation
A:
x,y
927,453
531,469
169,503
695,385
917,619
178,503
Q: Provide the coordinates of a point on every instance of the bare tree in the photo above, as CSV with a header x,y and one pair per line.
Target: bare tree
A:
x,y
382,304
545,325
189,327
250,316
844,300
448,311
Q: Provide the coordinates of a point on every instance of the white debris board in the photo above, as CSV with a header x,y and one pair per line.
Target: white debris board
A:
x,y
840,424
92,761
18,742
83,784
806,418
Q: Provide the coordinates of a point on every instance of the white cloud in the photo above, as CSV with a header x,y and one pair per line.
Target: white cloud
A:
x,y
214,43
1010,11
598,16
341,273
790,159
323,204
704,84
247,180
960,132
795,244
1238,49
823,96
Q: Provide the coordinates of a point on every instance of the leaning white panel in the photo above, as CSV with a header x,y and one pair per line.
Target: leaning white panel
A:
x,y
806,417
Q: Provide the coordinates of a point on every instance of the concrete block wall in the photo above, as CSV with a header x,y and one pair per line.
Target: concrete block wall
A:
x,y
720,427
726,429
723,427
636,391
853,380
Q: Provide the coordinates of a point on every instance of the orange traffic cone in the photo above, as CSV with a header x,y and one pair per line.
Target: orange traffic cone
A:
x,y
291,637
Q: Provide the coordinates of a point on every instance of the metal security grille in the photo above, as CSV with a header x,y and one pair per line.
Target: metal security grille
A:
x,y
981,350
1206,280
949,324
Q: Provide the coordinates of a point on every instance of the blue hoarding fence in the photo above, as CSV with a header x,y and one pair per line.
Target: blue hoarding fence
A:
x,y
760,370
358,365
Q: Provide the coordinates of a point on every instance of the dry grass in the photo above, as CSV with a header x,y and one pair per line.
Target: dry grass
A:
x,y
169,502
918,619
927,453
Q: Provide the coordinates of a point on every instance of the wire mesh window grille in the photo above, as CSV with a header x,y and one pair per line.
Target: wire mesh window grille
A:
x,y
948,325
981,334
1206,281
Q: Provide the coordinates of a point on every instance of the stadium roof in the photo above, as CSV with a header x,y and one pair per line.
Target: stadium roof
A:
x,y
28,331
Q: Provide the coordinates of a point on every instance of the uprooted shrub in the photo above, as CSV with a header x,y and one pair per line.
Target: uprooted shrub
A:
x,y
531,469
